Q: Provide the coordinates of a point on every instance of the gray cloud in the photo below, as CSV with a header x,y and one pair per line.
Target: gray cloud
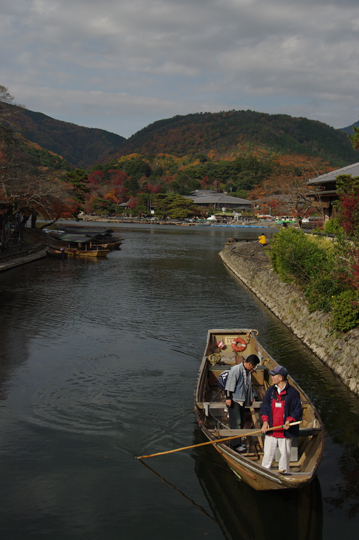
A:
x,y
119,65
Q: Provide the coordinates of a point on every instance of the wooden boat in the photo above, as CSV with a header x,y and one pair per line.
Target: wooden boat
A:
x,y
56,252
212,417
84,242
108,245
73,252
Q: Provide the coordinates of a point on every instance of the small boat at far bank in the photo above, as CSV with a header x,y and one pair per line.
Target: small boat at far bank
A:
x,y
56,252
212,417
73,252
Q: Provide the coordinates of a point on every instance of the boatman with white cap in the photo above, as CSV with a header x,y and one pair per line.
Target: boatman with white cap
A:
x,y
281,406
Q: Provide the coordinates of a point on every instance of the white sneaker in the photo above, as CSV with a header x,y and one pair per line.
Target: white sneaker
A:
x,y
241,448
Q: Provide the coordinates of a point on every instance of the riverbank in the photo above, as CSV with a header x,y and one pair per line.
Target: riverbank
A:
x,y
250,263
32,249
24,259
181,223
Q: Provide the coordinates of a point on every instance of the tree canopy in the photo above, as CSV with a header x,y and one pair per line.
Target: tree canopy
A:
x,y
355,138
24,187
175,207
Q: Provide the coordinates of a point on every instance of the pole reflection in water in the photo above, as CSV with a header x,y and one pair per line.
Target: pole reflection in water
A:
x,y
177,490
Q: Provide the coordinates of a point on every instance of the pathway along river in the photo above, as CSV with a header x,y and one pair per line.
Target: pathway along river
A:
x,y
98,363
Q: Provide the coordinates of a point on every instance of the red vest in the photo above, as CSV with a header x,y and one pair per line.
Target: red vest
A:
x,y
278,414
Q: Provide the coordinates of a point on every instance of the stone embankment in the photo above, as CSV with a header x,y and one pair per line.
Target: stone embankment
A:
x,y
33,249
250,263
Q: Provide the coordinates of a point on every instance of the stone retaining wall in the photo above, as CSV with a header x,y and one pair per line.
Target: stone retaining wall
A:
x,y
341,354
23,258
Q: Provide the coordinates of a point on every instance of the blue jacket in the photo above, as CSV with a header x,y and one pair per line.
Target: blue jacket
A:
x,y
235,383
292,407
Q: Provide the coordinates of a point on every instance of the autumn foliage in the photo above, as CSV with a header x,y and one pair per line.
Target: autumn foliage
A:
x,y
348,204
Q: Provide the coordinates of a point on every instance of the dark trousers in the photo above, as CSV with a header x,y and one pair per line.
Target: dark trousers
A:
x,y
236,421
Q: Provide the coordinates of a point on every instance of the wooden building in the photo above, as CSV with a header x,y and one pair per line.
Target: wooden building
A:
x,y
327,189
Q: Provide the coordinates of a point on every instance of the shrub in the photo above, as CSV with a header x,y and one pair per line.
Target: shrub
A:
x,y
320,292
345,315
327,272
332,227
297,259
323,270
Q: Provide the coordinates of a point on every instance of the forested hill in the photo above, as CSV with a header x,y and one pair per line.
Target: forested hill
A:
x,y
241,132
80,146
224,135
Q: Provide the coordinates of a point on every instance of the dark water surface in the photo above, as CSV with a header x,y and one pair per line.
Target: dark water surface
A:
x,y
98,363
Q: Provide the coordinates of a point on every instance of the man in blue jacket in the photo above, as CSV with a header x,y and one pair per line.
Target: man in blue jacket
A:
x,y
281,406
239,393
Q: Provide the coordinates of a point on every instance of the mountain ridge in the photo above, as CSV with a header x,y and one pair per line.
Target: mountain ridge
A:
x,y
238,132
80,146
349,130
223,135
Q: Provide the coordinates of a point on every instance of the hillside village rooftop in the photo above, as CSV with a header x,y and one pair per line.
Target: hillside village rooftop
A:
x,y
208,198
328,188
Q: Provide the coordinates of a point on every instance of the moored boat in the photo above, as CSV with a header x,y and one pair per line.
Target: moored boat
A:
x,y
56,252
84,242
73,252
212,417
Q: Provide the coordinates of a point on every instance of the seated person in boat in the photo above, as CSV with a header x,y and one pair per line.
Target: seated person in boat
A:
x,y
281,406
239,393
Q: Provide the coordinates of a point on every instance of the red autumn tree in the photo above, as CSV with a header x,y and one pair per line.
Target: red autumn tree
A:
x,y
25,188
96,177
286,189
117,177
348,204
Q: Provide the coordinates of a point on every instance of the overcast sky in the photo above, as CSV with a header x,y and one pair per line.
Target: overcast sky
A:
x,y
122,64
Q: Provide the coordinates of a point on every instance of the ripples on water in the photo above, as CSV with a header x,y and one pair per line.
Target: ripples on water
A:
x,y
98,364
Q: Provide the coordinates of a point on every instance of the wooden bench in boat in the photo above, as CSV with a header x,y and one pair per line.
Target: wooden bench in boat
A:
x,y
308,433
304,432
222,405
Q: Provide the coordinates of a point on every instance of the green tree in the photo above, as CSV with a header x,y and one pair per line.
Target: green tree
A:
x,y
355,138
79,185
174,206
136,168
132,185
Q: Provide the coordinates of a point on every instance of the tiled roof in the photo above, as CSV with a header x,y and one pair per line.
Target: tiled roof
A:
x,y
217,198
353,170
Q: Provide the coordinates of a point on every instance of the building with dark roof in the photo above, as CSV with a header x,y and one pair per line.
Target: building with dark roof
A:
x,y
327,188
211,199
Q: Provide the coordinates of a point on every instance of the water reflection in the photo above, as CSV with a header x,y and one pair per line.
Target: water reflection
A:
x,y
100,359
246,514
180,493
347,489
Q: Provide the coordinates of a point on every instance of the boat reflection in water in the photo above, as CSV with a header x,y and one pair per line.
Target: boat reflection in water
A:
x,y
246,514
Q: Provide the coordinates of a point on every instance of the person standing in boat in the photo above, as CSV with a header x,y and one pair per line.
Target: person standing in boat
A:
x,y
281,406
239,393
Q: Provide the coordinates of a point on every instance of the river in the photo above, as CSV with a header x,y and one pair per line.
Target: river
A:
x,y
98,363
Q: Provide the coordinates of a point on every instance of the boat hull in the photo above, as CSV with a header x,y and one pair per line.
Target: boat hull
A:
x,y
58,253
89,253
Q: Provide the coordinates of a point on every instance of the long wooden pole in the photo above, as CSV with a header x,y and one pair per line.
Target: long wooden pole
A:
x,y
214,442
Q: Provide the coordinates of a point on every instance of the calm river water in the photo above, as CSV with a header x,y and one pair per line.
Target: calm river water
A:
x,y
98,363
